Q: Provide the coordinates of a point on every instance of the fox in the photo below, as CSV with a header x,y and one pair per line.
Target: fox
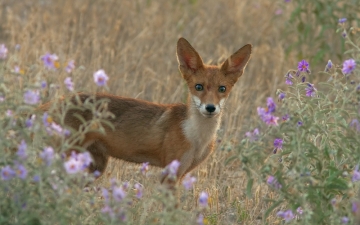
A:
x,y
144,131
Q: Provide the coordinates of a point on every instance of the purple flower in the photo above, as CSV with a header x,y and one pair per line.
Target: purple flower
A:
x,y
105,194
345,220
281,96
342,20
3,51
7,173
344,34
47,155
43,84
310,90
47,120
273,182
139,190
21,172
333,201
144,168
72,166
200,219
253,136
36,178
328,66
354,207
303,79
69,84
299,211
268,118
348,66
285,118
100,78
50,61
84,159
299,123
288,215
171,169
188,182
203,199
118,193
31,97
356,174
355,124
21,152
97,173
277,144
289,78
303,66
271,106
30,121
70,66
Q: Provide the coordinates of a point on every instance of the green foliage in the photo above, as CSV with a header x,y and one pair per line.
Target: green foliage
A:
x,y
315,169
310,29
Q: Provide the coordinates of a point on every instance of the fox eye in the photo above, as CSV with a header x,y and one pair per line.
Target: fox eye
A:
x,y
199,87
222,89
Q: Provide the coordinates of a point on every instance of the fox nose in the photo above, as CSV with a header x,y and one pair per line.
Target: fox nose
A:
x,y
210,108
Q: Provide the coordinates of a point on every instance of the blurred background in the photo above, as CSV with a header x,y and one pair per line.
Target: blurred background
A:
x,y
135,43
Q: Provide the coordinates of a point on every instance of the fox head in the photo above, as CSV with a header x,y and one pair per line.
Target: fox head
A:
x,y
209,85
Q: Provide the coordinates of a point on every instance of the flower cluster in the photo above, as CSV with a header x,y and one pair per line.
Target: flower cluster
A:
x,y
77,162
266,113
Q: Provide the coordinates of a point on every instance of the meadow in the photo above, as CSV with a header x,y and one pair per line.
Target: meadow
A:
x,y
301,168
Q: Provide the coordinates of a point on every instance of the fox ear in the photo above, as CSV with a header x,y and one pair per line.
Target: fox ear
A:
x,y
188,58
236,63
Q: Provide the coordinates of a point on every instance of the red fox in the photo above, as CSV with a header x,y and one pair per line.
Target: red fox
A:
x,y
160,133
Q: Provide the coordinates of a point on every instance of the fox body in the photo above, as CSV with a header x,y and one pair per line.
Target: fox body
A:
x,y
160,133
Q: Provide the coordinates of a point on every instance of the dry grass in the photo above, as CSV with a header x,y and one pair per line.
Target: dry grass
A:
x,y
135,42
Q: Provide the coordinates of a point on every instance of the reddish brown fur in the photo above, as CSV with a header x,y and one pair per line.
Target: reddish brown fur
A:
x,y
161,133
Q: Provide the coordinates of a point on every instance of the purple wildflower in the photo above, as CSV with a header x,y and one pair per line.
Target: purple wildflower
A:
x,y
31,97
3,51
47,155
105,194
118,193
288,215
188,182
50,61
299,123
299,210
144,168
43,84
348,66
303,79
342,20
289,78
70,66
271,106
328,66
108,210
285,118
171,169
281,96
310,90
277,145
268,118
97,173
203,199
36,178
345,220
303,66
356,174
253,136
72,166
344,34
21,152
69,84
139,190
333,201
30,121
355,124
84,159
200,219
21,172
7,173
100,78
273,182
354,207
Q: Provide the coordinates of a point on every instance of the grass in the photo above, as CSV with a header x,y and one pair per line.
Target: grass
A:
x,y
135,43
